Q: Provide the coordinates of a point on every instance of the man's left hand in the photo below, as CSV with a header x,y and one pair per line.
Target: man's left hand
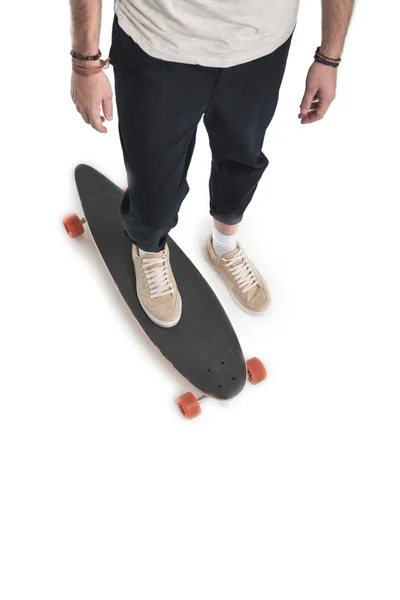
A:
x,y
319,94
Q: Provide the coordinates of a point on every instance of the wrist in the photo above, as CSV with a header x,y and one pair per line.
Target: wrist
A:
x,y
89,64
331,50
80,56
89,67
324,59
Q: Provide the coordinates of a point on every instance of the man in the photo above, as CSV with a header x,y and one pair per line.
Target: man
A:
x,y
176,61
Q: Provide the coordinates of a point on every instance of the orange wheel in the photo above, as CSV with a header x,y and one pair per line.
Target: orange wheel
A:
x,y
73,226
189,405
256,371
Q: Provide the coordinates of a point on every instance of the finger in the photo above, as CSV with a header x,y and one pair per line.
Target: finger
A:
x,y
83,114
307,101
323,106
311,117
95,121
314,105
107,107
318,112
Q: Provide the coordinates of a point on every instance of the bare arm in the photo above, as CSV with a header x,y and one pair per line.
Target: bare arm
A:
x,y
91,93
336,15
85,25
322,80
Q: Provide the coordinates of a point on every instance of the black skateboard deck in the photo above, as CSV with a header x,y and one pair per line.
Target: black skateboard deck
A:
x,y
203,346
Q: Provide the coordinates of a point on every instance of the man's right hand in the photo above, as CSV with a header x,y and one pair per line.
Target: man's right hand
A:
x,y
91,94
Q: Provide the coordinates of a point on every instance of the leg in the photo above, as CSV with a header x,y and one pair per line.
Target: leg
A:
x,y
224,238
225,229
242,107
159,106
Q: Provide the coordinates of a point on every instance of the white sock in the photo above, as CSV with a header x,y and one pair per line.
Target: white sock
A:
x,y
144,253
223,243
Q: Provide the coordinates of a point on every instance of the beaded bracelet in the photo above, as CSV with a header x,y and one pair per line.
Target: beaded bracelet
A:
x,y
78,56
326,60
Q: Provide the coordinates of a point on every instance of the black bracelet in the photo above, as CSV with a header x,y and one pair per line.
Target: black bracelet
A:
x,y
78,56
318,59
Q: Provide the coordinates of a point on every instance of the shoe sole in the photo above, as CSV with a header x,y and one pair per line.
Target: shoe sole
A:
x,y
253,313
165,324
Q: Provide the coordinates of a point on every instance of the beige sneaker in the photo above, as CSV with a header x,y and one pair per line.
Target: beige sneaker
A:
x,y
156,287
247,287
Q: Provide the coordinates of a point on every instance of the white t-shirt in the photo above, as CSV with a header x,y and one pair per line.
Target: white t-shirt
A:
x,y
212,33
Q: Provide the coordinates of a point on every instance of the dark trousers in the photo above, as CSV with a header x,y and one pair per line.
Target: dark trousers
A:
x,y
160,104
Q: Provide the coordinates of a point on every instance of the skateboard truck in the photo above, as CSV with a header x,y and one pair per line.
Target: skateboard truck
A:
x,y
189,405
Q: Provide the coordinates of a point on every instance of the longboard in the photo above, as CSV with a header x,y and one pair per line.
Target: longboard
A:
x,y
203,346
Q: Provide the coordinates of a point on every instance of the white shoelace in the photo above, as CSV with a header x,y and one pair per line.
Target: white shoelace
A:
x,y
158,278
242,271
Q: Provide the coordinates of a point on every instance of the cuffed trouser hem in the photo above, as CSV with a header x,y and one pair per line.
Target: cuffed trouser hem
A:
x,y
145,247
226,220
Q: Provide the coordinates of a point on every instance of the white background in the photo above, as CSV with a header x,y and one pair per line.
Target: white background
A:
x,y
291,490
